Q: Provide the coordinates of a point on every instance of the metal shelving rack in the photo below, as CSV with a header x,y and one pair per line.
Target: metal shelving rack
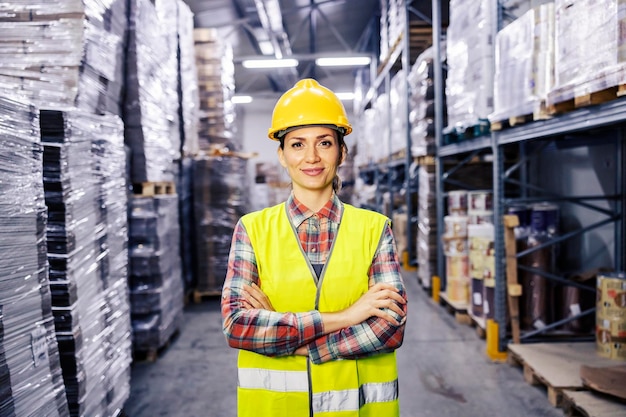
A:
x,y
393,175
586,120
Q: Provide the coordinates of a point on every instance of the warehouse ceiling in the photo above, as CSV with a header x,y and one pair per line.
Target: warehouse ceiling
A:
x,y
305,30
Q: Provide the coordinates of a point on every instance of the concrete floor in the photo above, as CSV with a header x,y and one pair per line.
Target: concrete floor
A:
x,y
443,370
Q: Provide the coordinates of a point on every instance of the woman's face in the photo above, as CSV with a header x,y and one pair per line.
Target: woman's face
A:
x,y
311,156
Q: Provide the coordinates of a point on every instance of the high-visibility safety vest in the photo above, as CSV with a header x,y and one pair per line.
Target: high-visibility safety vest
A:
x,y
292,386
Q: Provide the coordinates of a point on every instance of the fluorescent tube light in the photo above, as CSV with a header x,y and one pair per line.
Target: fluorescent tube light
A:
x,y
241,99
345,96
343,61
270,63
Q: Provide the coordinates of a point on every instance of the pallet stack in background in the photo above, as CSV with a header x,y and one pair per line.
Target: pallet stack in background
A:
x,y
29,355
69,56
84,291
219,168
153,134
72,58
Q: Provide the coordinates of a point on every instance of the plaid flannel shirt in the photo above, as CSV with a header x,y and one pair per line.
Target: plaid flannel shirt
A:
x,y
280,334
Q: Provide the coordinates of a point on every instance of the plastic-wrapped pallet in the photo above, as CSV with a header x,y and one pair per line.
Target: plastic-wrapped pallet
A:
x,y
524,64
220,191
398,113
152,106
589,47
30,370
64,53
110,171
216,86
422,104
188,80
79,264
156,285
470,57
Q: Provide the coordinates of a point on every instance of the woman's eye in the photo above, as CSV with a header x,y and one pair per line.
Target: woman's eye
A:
x,y
326,143
296,145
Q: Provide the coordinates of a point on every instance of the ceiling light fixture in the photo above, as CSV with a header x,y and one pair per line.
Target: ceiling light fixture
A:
x,y
347,96
270,63
343,61
241,99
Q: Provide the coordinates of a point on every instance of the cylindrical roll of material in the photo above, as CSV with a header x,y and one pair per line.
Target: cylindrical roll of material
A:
x,y
533,303
544,219
457,202
611,316
479,201
522,212
455,226
457,267
573,300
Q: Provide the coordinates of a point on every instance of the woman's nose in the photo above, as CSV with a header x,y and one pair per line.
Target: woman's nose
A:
x,y
311,154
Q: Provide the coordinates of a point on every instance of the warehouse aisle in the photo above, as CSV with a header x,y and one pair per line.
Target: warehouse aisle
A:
x,y
442,366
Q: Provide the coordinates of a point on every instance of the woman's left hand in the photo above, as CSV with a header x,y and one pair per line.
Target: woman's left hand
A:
x,y
253,297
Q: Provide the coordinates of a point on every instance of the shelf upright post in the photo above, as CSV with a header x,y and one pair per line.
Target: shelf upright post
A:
x,y
439,100
620,227
406,65
500,292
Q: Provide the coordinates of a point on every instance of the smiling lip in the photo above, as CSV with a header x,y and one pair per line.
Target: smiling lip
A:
x,y
313,171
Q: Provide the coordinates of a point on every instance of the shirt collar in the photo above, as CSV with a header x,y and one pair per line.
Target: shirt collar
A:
x,y
298,212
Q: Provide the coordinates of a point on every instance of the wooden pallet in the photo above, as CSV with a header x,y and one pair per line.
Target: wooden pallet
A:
x,y
150,189
480,325
589,99
591,404
456,308
555,365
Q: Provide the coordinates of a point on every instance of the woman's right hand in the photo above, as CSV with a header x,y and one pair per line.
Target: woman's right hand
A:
x,y
379,297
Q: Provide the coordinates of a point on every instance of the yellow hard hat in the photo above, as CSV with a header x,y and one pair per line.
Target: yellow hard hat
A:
x,y
308,103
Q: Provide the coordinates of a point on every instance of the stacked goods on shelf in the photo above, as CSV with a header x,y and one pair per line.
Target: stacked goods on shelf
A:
x,y
481,269
31,379
536,308
155,276
589,49
611,315
219,169
87,266
216,87
398,97
392,23
189,108
524,65
480,232
427,235
151,110
470,58
219,191
64,53
382,118
422,105
454,240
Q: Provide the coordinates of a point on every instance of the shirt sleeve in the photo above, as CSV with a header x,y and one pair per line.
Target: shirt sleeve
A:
x,y
266,332
374,335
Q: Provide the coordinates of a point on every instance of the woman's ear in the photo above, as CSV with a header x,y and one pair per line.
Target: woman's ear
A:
x,y
281,157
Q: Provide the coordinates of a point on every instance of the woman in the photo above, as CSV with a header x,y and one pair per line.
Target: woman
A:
x,y
313,296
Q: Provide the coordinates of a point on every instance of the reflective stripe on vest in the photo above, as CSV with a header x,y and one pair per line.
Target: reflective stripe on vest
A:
x,y
323,402
271,380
